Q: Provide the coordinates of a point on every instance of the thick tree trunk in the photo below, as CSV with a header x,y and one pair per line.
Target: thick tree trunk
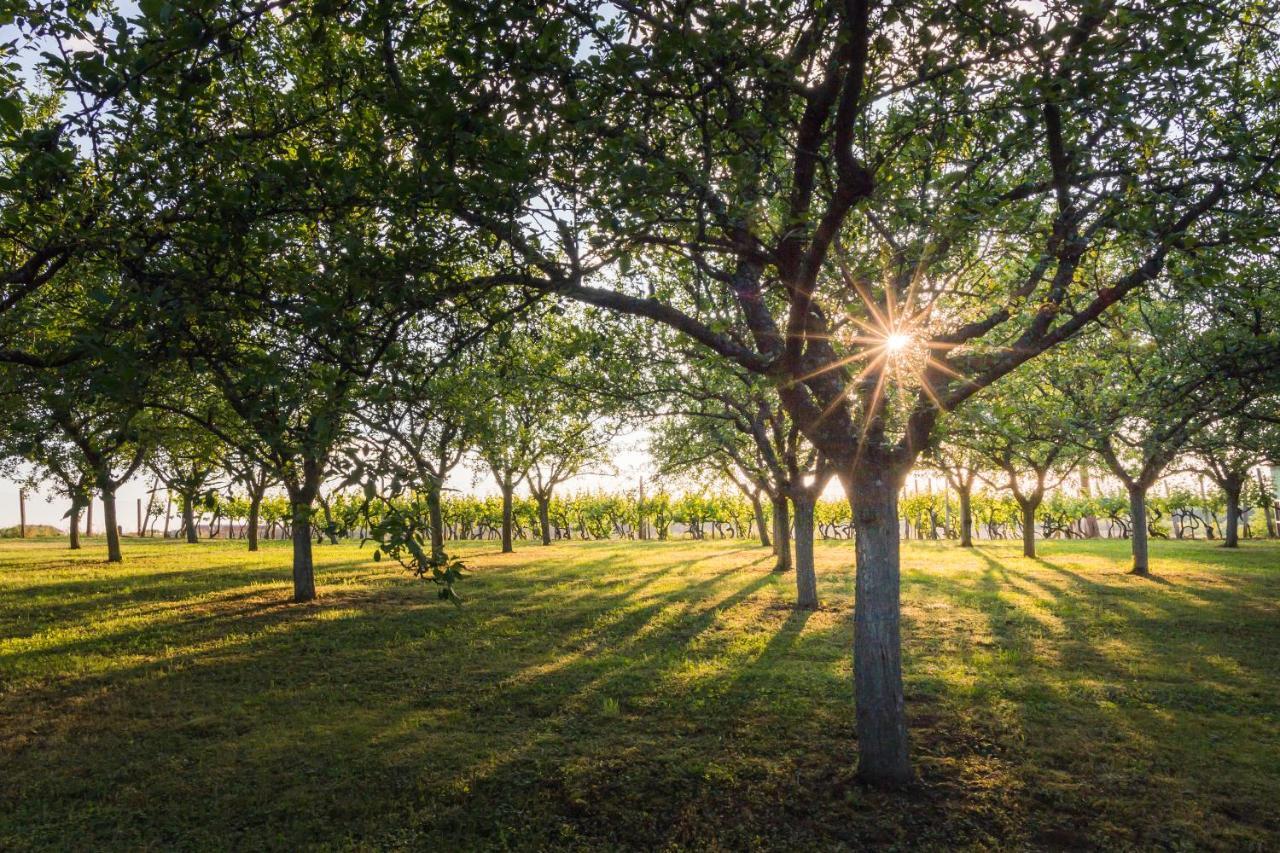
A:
x,y
883,754
304,572
544,517
189,520
255,509
806,574
74,533
1138,517
436,519
966,517
1029,527
88,519
761,524
1231,532
507,489
109,520
782,535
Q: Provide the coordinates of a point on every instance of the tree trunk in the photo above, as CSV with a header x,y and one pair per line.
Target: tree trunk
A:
x,y
1231,532
782,535
304,573
255,509
1091,530
189,519
1029,527
883,755
74,533
436,519
1138,518
806,575
966,516
507,489
109,520
761,524
88,519
544,517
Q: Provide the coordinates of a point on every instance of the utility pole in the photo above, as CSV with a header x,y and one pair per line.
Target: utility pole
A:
x,y
22,513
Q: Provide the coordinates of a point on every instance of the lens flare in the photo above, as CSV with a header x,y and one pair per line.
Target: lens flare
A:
x,y
897,342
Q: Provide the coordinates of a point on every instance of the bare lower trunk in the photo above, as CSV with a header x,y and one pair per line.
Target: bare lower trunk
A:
x,y
74,533
1138,516
189,519
88,519
966,518
304,573
1231,533
1029,528
761,524
436,519
113,532
806,575
506,519
544,519
782,535
1091,529
883,754
255,508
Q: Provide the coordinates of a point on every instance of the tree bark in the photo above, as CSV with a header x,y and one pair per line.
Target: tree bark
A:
x,y
74,533
761,524
544,517
304,573
1231,532
1138,518
255,509
1091,530
966,516
1029,527
782,535
435,518
806,574
88,519
507,489
883,752
189,519
109,520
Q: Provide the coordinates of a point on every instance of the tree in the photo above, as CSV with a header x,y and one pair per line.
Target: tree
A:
x,y
535,425
966,170
1013,431
187,460
1141,388
1228,450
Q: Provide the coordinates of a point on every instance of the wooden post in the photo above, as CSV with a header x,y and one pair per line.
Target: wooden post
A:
x,y
22,513
139,517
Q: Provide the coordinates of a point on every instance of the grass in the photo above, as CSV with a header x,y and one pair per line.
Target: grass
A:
x,y
605,695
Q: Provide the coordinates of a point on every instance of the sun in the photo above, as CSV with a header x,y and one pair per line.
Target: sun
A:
x,y
897,342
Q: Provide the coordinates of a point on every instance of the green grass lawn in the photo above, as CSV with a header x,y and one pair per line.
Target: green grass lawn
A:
x,y
598,695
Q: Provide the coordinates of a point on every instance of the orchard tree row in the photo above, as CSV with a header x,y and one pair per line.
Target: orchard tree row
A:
x,y
807,241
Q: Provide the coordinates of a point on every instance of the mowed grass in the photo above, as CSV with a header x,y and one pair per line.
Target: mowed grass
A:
x,y
632,695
